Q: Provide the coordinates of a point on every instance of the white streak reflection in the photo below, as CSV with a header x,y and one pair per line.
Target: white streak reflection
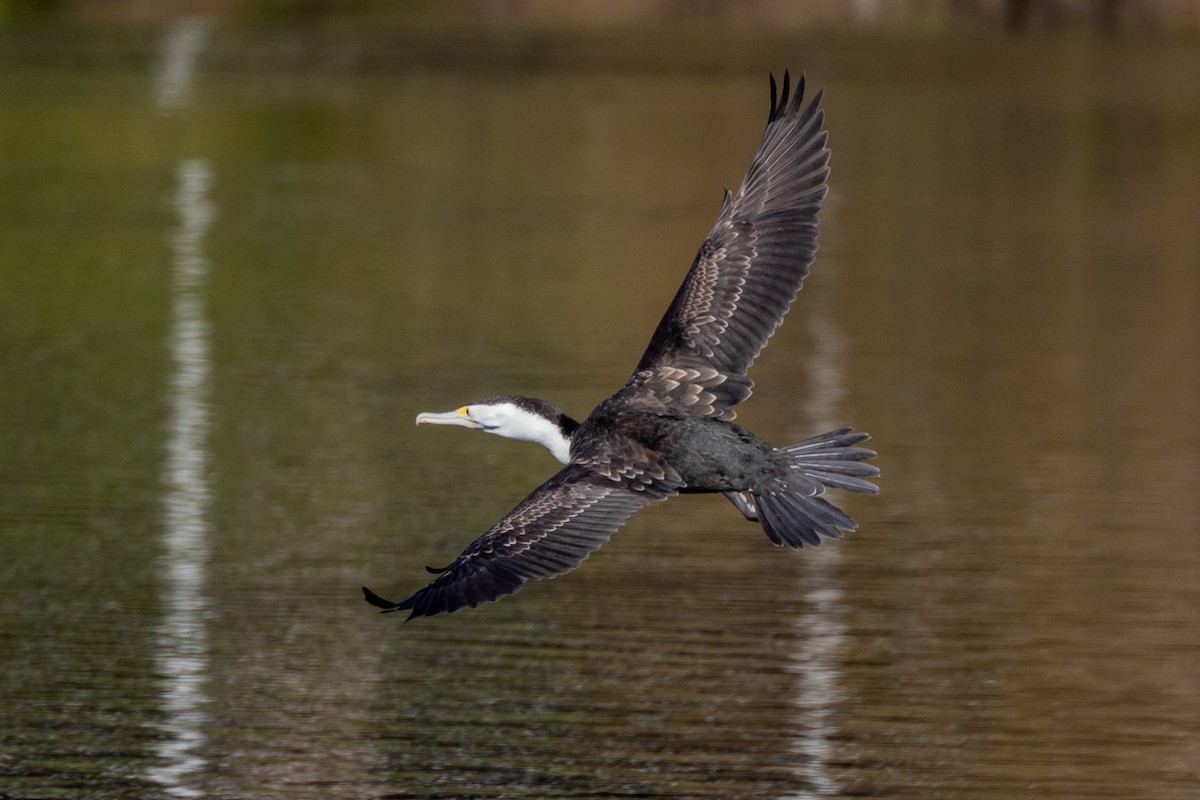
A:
x,y
182,652
821,633
817,663
182,636
184,41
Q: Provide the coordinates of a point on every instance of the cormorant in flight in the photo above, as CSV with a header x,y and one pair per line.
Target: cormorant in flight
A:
x,y
669,429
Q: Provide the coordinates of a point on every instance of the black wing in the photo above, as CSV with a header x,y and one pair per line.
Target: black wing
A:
x,y
750,267
550,532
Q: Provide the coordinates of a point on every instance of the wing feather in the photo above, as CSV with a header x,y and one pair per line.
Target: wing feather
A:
x,y
753,262
549,532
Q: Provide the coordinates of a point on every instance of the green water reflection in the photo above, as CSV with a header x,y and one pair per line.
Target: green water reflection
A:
x,y
1007,297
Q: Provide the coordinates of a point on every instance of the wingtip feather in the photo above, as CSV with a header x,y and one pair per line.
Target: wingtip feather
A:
x,y
379,602
798,97
787,104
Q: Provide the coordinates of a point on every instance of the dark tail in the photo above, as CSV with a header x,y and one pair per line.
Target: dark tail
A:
x,y
797,514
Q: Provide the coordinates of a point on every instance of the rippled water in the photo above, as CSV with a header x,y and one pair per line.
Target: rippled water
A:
x,y
235,264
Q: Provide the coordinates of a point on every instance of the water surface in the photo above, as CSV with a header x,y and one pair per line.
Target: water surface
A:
x,y
234,264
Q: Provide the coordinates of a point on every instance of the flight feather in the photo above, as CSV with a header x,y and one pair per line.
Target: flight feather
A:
x,y
753,261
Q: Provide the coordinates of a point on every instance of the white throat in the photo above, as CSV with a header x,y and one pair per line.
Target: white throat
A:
x,y
517,423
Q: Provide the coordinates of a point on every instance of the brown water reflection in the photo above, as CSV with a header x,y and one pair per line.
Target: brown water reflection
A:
x,y
1006,297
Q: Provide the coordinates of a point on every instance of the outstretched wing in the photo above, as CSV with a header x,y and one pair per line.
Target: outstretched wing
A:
x,y
550,532
752,264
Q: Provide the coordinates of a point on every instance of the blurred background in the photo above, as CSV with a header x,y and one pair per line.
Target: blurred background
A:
x,y
242,244
1104,15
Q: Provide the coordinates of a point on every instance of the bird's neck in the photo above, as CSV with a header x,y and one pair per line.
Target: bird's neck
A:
x,y
554,435
559,447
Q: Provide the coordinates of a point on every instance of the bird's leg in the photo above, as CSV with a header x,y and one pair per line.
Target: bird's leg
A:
x,y
743,504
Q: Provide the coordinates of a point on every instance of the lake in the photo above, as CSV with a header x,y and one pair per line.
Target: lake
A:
x,y
235,262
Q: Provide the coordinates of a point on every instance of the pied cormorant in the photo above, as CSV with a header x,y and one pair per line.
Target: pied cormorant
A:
x,y
669,429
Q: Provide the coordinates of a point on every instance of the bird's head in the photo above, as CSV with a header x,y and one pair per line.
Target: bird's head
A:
x,y
522,418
